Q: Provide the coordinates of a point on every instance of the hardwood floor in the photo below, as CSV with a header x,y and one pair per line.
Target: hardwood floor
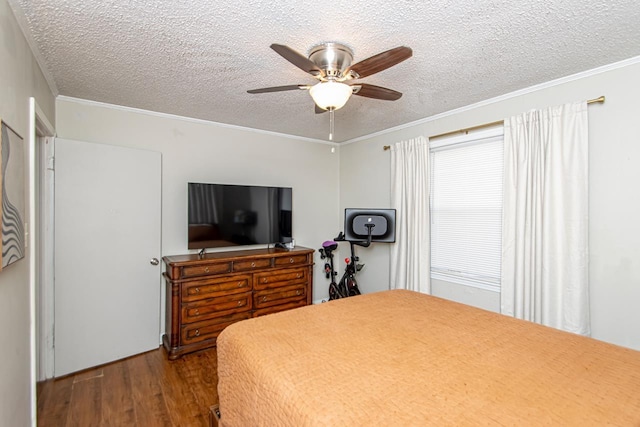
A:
x,y
143,390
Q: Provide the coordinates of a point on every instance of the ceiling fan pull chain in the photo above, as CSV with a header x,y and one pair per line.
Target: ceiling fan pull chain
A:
x,y
331,125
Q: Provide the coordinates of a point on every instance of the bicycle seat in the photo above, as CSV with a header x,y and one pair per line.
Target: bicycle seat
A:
x,y
329,246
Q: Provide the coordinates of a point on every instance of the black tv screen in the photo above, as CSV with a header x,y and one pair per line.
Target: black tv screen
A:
x,y
223,215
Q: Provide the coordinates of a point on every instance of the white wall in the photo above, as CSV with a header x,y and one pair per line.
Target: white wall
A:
x,y
20,79
614,203
197,151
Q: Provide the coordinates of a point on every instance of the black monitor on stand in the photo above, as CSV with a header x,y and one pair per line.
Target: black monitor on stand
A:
x,y
364,226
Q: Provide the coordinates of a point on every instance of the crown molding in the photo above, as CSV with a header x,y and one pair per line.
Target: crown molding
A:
x,y
189,119
552,83
514,94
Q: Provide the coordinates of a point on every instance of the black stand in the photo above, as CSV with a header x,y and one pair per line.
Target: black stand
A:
x,y
352,243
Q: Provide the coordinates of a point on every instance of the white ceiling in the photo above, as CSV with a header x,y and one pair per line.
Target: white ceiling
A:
x,y
197,58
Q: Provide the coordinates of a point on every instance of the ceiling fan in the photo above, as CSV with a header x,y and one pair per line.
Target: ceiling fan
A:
x,y
330,63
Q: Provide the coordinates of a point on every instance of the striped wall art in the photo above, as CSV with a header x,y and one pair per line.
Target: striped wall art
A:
x,y
13,196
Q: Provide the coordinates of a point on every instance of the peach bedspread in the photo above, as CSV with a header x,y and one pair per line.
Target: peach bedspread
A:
x,y
407,359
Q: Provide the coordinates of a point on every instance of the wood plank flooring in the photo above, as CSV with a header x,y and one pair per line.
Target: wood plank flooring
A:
x,y
143,390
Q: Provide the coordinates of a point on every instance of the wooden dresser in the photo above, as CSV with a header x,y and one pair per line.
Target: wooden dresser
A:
x,y
205,295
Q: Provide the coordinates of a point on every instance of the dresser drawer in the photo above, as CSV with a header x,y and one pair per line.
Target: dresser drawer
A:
x,y
276,296
279,307
209,288
289,276
290,260
216,307
251,264
206,269
210,329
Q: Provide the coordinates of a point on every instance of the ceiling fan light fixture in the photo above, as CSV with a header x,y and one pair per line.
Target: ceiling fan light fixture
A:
x,y
330,94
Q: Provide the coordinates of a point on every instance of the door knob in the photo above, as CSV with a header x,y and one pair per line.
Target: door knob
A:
x,y
154,261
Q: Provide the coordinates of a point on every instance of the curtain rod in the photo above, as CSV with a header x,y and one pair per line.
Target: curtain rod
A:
x,y
598,100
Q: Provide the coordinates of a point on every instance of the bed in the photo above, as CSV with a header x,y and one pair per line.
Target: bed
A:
x,y
408,359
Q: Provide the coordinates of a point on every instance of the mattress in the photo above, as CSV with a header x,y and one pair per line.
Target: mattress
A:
x,y
408,359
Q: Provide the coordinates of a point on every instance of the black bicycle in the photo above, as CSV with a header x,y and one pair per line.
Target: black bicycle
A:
x,y
347,286
326,252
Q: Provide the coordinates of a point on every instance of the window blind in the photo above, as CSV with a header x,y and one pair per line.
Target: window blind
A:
x,y
466,208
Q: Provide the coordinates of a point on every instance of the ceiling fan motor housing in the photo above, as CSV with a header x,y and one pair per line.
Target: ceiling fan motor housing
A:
x,y
332,58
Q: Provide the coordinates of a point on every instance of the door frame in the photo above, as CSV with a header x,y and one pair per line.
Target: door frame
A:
x,y
44,247
39,128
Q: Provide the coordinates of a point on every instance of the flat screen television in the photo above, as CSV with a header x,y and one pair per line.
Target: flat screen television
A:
x,y
383,221
222,215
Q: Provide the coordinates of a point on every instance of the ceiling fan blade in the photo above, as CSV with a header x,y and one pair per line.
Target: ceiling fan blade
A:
x,y
279,88
381,61
376,92
297,59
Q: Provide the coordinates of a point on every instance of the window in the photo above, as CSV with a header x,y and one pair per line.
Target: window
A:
x,y
466,208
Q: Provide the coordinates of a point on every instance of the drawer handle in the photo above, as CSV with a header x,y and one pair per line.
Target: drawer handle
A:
x,y
264,299
206,269
291,260
264,280
197,290
253,264
240,283
239,303
197,332
196,312
298,292
299,275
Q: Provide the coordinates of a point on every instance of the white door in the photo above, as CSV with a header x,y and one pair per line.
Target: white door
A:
x,y
107,241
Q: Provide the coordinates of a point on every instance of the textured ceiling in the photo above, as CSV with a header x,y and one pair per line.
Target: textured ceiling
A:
x,y
197,59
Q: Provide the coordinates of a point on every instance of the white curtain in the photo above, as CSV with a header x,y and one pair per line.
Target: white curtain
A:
x,y
410,254
545,218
